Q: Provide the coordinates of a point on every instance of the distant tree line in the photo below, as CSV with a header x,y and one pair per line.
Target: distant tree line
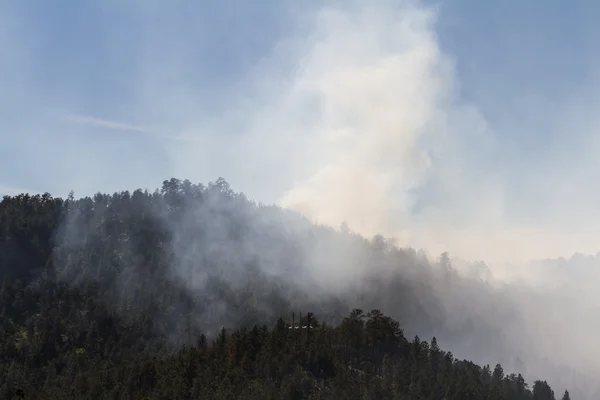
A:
x,y
187,292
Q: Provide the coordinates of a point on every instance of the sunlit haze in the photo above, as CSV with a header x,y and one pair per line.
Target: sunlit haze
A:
x,y
470,127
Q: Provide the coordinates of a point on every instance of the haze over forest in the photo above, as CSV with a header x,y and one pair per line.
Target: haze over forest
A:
x,y
424,160
94,290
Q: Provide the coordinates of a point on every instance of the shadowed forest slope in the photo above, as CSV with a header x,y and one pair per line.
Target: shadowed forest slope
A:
x,y
133,294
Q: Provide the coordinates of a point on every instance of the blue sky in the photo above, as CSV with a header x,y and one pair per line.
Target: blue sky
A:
x,y
476,117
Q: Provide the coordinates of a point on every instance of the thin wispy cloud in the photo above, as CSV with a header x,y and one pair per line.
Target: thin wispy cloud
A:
x,y
95,122
104,123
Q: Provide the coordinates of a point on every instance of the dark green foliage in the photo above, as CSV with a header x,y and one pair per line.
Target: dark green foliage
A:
x,y
100,298
358,359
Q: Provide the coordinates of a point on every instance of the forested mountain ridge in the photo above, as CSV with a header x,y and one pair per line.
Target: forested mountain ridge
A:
x,y
124,296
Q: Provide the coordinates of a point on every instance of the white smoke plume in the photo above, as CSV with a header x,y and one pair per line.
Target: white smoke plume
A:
x,y
369,116
357,115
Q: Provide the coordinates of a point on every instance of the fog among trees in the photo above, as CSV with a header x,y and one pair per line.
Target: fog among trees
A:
x,y
190,291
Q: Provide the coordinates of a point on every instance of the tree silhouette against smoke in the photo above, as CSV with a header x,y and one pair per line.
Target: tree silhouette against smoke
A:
x,y
155,293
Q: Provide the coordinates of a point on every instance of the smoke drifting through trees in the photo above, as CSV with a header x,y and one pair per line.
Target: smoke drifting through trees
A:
x,y
364,108
198,258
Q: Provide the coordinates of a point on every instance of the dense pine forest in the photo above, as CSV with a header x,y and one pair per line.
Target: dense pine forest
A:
x,y
195,292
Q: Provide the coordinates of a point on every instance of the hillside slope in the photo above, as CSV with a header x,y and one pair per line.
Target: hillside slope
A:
x,y
99,295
